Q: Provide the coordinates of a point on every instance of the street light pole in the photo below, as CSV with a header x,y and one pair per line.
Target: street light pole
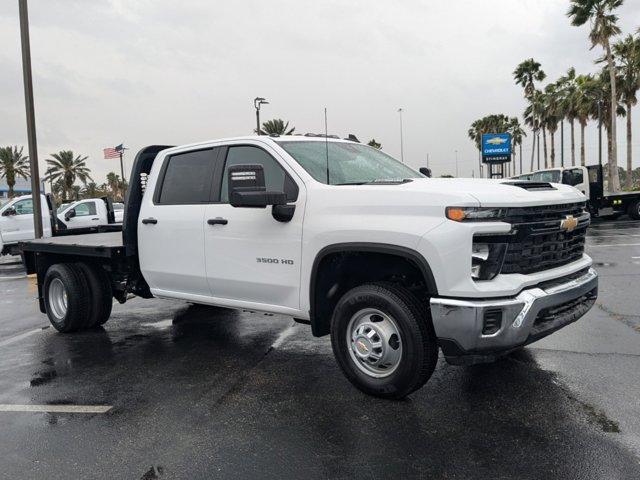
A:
x,y
256,103
456,163
31,120
401,139
600,133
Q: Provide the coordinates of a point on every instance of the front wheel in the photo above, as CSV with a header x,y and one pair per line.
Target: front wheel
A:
x,y
383,340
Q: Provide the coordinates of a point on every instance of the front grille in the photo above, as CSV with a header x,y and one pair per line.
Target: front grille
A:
x,y
538,243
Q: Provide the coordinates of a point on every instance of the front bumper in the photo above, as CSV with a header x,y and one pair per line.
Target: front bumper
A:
x,y
476,331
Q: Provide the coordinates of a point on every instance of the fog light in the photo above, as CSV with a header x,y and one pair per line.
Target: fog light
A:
x,y
486,260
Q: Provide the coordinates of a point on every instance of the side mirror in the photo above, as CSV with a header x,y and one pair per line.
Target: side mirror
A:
x,y
425,171
247,188
70,214
10,211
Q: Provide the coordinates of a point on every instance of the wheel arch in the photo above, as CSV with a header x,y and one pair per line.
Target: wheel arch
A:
x,y
319,321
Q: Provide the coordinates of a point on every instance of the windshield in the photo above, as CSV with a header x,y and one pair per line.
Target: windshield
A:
x,y
551,176
349,163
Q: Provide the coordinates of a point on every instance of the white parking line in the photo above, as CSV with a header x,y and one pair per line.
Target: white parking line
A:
x,y
13,278
616,245
18,337
56,408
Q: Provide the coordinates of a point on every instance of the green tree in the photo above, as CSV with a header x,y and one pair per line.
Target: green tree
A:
x,y
552,113
276,126
603,26
13,164
517,134
374,144
586,106
67,168
92,190
627,54
526,75
567,91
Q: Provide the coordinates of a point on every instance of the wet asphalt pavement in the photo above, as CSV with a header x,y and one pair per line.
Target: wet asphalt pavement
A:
x,y
208,393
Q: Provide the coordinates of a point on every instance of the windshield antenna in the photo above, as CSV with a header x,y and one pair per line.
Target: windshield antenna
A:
x,y
326,142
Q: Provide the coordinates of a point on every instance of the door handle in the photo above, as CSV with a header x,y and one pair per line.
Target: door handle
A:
x,y
95,219
217,221
150,220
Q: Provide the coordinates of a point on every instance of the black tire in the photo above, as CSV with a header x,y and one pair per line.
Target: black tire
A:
x,y
634,210
76,289
101,296
419,346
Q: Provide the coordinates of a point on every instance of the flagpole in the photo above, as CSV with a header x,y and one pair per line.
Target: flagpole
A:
x,y
122,167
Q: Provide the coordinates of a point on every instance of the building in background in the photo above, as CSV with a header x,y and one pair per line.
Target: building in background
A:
x,y
22,187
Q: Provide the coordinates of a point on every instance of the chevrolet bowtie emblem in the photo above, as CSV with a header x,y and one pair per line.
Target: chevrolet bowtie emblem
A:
x,y
569,223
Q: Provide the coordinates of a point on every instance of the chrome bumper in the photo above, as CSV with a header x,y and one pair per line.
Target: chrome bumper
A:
x,y
461,325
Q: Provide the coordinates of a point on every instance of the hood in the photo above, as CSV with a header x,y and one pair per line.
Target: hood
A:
x,y
501,193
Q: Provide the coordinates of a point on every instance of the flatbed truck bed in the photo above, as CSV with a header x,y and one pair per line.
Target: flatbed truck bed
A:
x,y
106,245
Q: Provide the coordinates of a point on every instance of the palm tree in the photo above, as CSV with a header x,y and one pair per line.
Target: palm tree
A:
x,y
551,116
517,133
627,53
568,92
374,144
532,117
525,75
13,164
603,89
586,99
276,127
64,166
92,190
603,27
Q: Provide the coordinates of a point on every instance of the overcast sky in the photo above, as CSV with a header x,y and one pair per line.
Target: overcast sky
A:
x,y
160,71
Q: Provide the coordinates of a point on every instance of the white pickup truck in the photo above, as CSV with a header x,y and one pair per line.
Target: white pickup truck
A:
x,y
83,216
393,265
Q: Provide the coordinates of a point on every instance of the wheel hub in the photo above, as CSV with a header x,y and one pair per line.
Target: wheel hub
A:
x,y
374,342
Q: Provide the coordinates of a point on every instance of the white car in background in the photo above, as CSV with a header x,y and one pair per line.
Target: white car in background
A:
x,y
84,216
118,211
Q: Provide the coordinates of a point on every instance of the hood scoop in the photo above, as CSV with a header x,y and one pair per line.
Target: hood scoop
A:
x,y
533,186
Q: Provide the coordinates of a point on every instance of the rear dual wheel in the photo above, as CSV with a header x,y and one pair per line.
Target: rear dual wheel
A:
x,y
77,296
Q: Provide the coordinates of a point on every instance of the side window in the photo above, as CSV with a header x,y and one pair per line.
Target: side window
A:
x,y
276,179
85,209
24,207
186,178
578,176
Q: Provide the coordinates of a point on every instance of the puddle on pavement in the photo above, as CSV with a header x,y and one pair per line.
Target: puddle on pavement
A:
x,y
42,378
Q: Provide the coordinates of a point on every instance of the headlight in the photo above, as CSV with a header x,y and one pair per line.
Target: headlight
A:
x,y
475,214
486,259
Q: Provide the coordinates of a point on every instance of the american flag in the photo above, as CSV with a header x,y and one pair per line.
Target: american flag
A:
x,y
113,152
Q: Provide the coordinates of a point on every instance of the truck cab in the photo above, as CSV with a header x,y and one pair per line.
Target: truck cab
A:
x,y
16,222
90,213
590,181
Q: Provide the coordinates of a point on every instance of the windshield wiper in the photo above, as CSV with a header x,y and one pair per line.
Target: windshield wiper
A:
x,y
378,182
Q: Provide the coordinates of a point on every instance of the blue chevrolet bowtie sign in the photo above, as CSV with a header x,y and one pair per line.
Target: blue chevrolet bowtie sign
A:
x,y
496,147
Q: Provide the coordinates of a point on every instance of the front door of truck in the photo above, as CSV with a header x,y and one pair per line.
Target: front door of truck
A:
x,y
251,258
172,223
18,227
85,215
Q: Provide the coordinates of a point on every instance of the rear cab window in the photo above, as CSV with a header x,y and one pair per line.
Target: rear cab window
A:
x,y
186,178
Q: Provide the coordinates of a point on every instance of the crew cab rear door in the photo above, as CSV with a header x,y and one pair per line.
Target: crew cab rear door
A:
x,y
251,258
171,224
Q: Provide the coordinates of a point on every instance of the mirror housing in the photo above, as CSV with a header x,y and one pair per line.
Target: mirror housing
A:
x,y
247,188
10,211
70,214
425,171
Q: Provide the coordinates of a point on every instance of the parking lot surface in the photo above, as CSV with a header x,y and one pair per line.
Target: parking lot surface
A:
x,y
195,392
